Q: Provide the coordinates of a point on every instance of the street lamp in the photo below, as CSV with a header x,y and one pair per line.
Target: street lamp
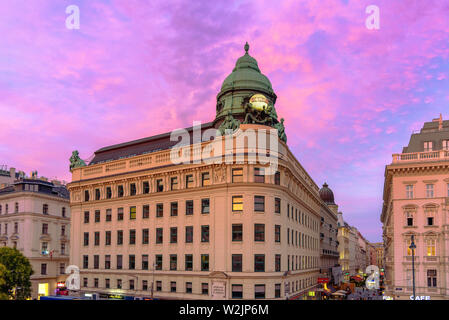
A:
x,y
152,283
413,247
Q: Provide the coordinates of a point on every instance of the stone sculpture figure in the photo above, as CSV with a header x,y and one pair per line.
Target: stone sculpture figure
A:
x,y
229,123
281,130
76,161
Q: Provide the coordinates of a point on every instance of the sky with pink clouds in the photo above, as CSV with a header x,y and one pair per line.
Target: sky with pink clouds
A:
x,y
350,96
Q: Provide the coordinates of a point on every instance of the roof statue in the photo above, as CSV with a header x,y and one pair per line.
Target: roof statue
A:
x,y
76,161
229,123
281,130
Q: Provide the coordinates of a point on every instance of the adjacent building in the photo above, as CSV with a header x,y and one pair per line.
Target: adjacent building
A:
x,y
35,219
145,225
416,202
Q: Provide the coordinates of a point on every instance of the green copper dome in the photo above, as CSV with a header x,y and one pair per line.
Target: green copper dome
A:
x,y
246,75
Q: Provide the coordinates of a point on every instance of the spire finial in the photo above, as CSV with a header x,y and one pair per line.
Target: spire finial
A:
x,y
246,47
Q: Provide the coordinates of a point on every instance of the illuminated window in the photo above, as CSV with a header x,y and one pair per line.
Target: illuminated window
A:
x,y
430,243
204,262
237,203
132,213
237,175
205,179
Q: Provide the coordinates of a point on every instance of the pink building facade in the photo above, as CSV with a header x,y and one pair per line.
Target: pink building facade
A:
x,y
416,203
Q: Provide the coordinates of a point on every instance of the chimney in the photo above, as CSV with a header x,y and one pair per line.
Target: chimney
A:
x,y
440,122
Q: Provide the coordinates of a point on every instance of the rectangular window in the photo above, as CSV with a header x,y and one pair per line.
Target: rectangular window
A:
x,y
237,232
189,207
205,179
277,290
108,214
132,189
107,283
428,146
277,205
259,175
131,284
236,263
86,216
259,232
158,262
172,286
204,262
431,246
204,233
131,262
277,233
173,209
189,234
409,191
159,210
159,185
277,178
96,238
85,262
204,288
259,263
237,175
159,235
120,191
119,237
205,206
145,236
119,283
144,262
96,261
237,203
132,213
259,291
189,262
132,236
277,263
174,183
429,190
86,195
145,211
144,285
158,285
107,261
108,193
119,214
237,291
430,221
173,262
146,187
189,181
431,278
43,268
259,203
97,216
446,145
188,287
97,194
86,238
173,235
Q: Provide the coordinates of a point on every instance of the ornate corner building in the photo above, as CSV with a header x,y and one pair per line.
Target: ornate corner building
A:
x,y
416,203
146,226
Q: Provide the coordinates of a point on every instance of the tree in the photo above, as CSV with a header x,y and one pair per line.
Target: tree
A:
x,y
3,296
17,271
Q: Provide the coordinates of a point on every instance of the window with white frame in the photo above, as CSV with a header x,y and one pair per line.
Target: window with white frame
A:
x,y
431,247
429,190
428,146
445,144
409,191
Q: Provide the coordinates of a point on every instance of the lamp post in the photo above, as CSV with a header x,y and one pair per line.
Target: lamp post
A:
x,y
152,283
413,247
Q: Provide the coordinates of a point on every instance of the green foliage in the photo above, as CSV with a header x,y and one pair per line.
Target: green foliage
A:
x,y
15,273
